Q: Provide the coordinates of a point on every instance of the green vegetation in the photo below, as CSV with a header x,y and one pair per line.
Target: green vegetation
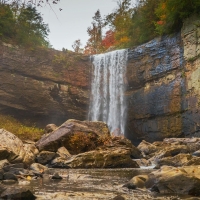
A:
x,y
22,26
20,130
131,25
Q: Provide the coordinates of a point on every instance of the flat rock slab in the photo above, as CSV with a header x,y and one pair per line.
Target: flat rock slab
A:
x,y
119,157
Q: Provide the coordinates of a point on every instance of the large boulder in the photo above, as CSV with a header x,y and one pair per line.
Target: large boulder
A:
x,y
14,150
101,158
174,180
11,147
76,136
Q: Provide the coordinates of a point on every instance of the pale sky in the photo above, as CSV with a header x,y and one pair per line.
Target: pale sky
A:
x,y
71,23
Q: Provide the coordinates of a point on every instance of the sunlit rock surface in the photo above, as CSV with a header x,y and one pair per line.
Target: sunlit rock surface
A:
x,y
13,149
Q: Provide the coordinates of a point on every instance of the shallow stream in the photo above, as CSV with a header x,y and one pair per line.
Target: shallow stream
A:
x,y
91,184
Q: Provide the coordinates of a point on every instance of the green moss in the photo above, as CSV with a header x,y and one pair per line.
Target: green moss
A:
x,y
19,129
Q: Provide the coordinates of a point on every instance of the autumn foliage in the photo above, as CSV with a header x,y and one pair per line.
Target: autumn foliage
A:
x,y
133,24
109,39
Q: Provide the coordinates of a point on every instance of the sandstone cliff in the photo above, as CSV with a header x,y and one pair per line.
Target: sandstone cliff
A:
x,y
44,86
163,86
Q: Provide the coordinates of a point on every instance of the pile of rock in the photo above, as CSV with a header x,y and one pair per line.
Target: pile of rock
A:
x,y
56,148
75,144
178,164
83,144
175,152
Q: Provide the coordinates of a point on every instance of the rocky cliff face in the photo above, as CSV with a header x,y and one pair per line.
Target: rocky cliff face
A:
x,y
163,91
45,85
163,86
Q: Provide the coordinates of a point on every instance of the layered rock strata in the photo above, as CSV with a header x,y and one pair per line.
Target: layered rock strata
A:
x,y
43,85
163,86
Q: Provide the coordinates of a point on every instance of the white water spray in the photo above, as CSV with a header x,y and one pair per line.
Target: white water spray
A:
x,y
108,86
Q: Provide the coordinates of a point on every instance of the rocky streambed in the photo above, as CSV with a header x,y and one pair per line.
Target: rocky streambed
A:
x,y
81,160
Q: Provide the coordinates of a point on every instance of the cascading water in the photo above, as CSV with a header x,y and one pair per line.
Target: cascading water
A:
x,y
108,86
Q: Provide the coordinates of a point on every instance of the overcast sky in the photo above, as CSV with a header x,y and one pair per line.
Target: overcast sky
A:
x,y
71,23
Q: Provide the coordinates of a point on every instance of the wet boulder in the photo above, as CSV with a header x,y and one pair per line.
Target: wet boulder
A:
x,y
76,136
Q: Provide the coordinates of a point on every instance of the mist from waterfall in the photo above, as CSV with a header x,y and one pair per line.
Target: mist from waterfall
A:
x,y
108,102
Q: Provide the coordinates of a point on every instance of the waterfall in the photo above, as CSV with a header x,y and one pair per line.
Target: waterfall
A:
x,y
107,92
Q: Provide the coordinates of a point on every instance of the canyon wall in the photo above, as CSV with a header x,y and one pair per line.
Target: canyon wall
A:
x,y
43,86
163,85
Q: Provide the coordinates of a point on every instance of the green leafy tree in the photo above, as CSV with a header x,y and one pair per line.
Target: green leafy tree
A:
x,y
30,28
119,22
172,13
142,27
7,22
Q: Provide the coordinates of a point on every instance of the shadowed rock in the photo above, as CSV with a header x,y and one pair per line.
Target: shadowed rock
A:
x,y
17,193
44,157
